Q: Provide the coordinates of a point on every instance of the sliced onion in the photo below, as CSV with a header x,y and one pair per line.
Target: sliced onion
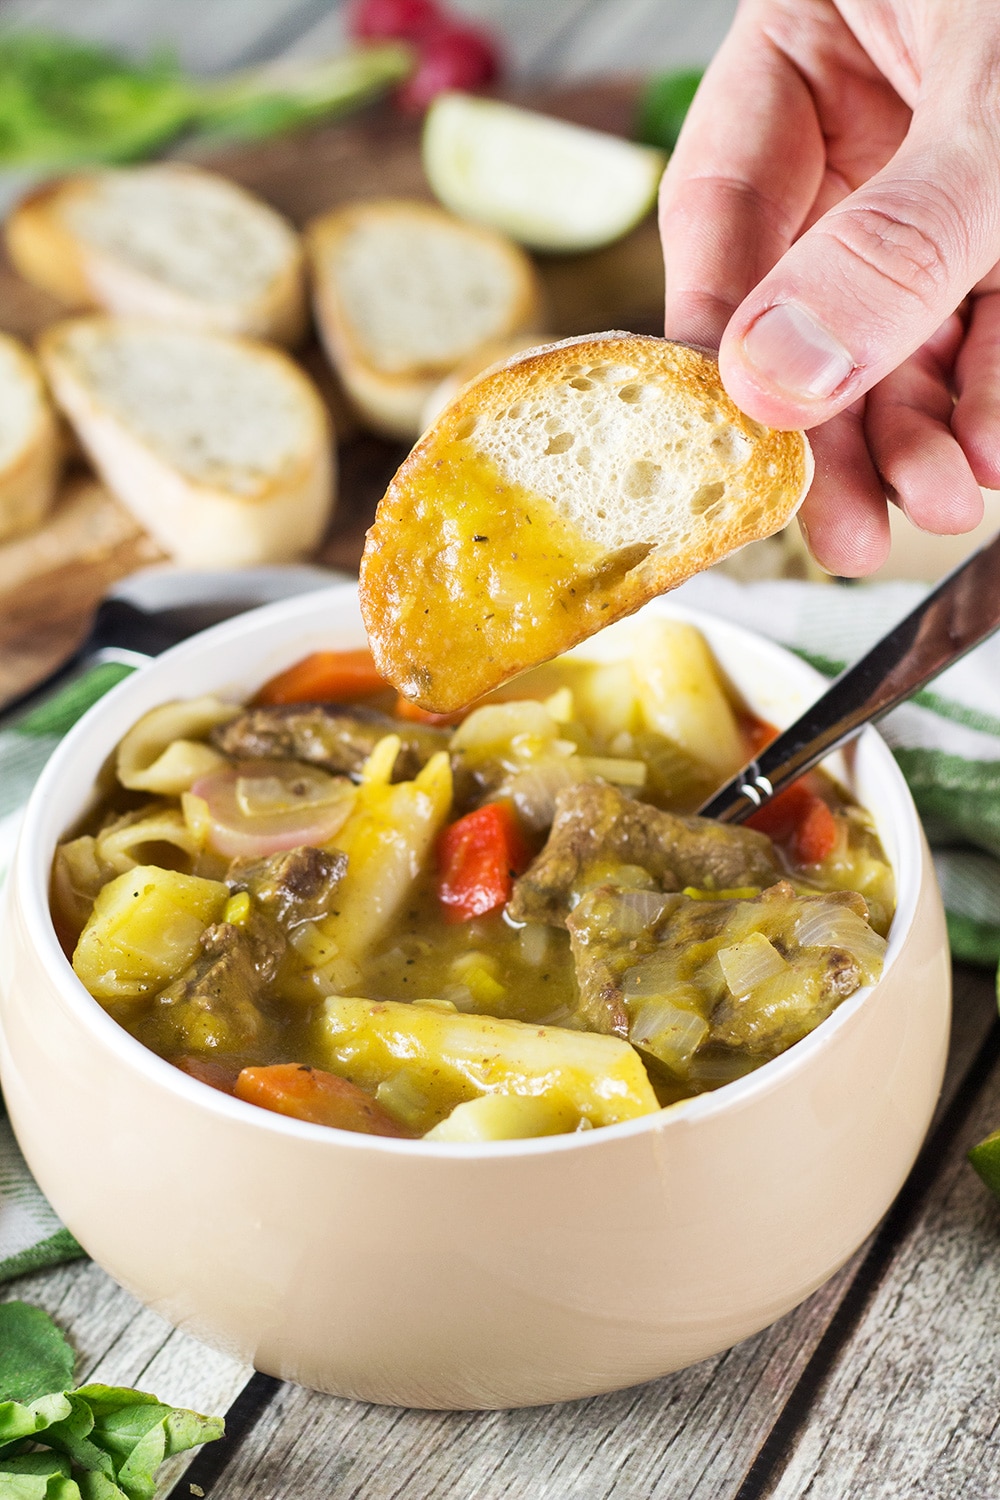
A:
x,y
298,805
653,976
533,943
749,963
826,925
534,790
671,1032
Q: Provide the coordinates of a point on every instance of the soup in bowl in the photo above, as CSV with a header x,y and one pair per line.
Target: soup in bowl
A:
x,y
527,1188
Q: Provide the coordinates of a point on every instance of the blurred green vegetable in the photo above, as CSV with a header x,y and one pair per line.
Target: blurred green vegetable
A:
x,y
282,95
986,1159
664,103
64,102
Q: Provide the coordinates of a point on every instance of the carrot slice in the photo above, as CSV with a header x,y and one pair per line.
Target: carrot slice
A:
x,y
324,677
310,1094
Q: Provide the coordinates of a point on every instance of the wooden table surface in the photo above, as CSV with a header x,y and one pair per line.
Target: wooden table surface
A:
x,y
885,1383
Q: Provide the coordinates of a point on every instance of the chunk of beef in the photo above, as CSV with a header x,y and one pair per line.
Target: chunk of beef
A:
x,y
221,1001
217,1004
648,968
325,734
597,828
296,886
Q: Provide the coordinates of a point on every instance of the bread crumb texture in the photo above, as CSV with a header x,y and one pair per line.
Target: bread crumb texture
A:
x,y
636,442
217,416
190,230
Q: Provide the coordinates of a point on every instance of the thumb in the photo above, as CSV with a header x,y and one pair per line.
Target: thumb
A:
x,y
869,282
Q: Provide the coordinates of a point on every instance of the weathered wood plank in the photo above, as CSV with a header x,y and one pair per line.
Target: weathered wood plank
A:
x,y
910,1405
694,1434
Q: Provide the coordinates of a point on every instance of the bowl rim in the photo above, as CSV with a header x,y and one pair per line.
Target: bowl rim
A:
x,y
28,883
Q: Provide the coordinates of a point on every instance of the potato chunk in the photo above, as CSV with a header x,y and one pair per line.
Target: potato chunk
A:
x,y
144,930
449,1058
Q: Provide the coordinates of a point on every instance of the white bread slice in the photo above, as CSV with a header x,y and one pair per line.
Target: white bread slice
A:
x,y
169,242
484,358
220,447
560,491
403,293
30,447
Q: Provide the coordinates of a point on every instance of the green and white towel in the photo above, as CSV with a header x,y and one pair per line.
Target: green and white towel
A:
x,y
947,742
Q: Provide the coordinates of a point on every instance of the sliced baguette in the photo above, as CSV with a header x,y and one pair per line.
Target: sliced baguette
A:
x,y
169,242
219,446
560,491
484,358
30,448
404,292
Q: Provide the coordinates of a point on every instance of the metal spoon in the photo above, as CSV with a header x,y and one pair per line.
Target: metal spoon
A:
x,y
962,611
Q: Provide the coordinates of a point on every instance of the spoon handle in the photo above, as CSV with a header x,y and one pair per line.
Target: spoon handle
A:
x,y
962,611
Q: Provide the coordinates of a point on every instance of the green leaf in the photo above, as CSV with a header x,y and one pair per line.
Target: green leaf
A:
x,y
663,105
35,1358
39,1476
125,1435
986,1159
19,1421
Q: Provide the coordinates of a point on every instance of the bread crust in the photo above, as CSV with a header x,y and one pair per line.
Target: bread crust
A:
x,y
392,402
46,251
28,481
764,474
197,523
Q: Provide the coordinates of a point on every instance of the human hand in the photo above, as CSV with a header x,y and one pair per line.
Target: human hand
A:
x,y
833,201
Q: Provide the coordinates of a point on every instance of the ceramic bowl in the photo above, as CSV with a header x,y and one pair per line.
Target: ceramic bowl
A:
x,y
435,1275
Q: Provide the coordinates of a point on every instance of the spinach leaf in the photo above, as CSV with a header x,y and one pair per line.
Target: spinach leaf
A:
x,y
38,1476
35,1358
104,1442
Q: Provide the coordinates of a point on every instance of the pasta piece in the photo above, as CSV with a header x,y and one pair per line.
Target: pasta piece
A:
x,y
164,752
451,1057
145,930
131,840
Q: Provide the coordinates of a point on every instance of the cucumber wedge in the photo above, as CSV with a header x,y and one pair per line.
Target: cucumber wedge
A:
x,y
551,185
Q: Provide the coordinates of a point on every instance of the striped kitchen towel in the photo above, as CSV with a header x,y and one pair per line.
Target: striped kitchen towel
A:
x,y
947,742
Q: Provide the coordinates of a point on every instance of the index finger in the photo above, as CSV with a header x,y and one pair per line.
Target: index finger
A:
x,y
746,171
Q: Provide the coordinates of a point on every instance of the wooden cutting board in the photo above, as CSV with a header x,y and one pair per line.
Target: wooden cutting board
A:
x,y
50,583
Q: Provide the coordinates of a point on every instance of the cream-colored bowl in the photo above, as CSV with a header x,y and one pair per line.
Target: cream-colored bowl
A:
x,y
464,1276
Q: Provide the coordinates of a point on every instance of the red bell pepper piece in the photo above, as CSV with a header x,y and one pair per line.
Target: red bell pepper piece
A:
x,y
799,819
478,857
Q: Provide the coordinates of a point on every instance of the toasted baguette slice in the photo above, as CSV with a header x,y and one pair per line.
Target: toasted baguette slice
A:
x,y
405,292
30,449
484,358
168,242
555,494
219,446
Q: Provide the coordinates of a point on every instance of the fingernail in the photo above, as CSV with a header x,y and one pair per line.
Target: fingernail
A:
x,y
791,350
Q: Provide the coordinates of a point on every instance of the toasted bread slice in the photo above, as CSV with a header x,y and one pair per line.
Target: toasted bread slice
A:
x,y
169,242
484,358
30,449
405,292
555,494
219,446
